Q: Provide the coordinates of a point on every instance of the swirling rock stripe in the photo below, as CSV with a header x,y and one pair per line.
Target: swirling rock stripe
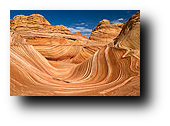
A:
x,y
102,74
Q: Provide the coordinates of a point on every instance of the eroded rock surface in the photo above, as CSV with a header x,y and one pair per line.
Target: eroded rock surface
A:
x,y
49,40
80,34
105,32
50,60
129,38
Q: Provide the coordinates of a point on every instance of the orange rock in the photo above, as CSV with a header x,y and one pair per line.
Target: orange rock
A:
x,y
32,21
80,34
129,37
50,60
105,73
120,25
105,32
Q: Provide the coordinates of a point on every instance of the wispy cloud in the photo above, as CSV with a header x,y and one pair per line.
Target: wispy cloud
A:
x,y
82,24
120,20
80,29
129,11
87,34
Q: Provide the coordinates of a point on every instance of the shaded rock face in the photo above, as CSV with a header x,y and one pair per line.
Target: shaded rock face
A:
x,y
129,37
105,32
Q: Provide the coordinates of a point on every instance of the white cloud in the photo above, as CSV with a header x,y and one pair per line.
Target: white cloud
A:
x,y
128,11
82,24
80,29
120,19
87,34
73,29
117,21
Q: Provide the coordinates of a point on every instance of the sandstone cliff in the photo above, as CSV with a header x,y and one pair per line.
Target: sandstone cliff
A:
x,y
105,32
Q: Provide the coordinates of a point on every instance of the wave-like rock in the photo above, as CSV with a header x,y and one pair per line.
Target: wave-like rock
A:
x,y
53,42
50,63
103,73
56,46
129,37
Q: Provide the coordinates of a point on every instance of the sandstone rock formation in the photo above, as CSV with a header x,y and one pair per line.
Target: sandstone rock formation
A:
x,y
105,32
48,62
102,74
32,21
129,38
80,34
36,22
48,39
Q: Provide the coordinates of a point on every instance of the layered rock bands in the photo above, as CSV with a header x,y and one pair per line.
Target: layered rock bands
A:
x,y
50,60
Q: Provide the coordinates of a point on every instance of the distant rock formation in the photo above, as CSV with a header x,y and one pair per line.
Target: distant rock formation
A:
x,y
105,32
80,34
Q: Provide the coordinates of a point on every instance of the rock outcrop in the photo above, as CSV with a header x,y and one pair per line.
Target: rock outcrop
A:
x,y
22,22
80,34
105,32
49,40
36,22
129,37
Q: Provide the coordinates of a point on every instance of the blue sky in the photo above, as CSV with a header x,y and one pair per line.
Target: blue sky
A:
x,y
79,20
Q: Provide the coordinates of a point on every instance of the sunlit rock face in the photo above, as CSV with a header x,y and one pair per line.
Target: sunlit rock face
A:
x,y
22,22
80,34
105,32
50,60
49,40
